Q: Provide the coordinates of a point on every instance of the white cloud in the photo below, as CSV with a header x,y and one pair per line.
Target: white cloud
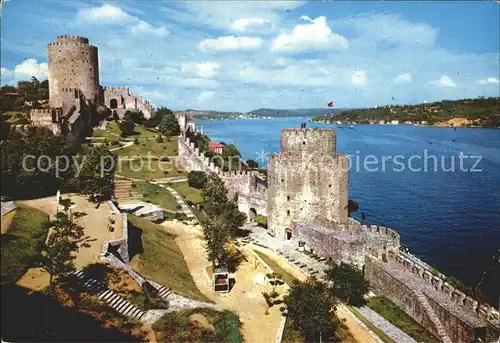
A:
x,y
358,78
307,37
230,43
25,71
445,82
104,14
249,24
490,80
402,78
203,69
144,28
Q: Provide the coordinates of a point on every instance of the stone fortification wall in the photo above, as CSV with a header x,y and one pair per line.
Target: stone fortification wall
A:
x,y
342,244
120,99
307,180
240,184
426,297
73,63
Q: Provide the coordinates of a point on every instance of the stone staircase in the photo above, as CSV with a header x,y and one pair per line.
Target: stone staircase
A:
x,y
443,336
113,300
124,192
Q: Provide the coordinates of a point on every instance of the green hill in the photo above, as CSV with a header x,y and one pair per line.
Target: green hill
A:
x,y
483,112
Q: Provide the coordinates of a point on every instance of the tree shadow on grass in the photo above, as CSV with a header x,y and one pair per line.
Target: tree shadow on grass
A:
x,y
134,240
37,317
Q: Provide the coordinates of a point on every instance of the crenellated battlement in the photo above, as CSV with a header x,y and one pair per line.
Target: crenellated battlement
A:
x,y
419,269
45,111
381,230
71,39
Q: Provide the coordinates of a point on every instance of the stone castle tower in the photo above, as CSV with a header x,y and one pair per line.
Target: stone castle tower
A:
x,y
307,180
73,63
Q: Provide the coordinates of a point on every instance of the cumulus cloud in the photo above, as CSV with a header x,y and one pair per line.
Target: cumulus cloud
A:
x,y
490,80
250,24
25,71
203,69
316,35
144,28
445,82
402,78
358,78
230,43
103,14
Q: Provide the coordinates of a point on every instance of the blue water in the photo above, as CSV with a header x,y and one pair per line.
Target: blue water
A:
x,y
451,220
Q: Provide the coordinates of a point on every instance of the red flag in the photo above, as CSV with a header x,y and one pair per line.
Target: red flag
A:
x,y
330,104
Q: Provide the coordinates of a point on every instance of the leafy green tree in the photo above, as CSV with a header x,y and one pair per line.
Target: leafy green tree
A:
x,y
136,116
169,126
59,250
127,127
349,283
158,116
97,171
36,163
352,206
311,308
252,164
216,241
214,195
196,179
231,151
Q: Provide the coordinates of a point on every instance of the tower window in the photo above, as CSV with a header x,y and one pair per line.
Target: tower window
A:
x,y
304,143
288,198
288,213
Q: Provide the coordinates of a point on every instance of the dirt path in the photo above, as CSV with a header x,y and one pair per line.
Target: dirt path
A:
x,y
245,298
359,333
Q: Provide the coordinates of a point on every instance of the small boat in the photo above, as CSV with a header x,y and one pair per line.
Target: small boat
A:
x,y
351,127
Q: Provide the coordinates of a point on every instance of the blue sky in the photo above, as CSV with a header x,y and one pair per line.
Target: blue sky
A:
x,y
245,55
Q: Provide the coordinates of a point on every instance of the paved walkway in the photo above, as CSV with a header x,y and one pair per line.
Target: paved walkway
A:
x,y
185,208
126,145
389,329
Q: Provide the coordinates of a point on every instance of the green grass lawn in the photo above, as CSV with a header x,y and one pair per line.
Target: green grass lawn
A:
x,y
176,327
150,146
148,169
156,195
287,277
23,242
186,192
399,318
157,257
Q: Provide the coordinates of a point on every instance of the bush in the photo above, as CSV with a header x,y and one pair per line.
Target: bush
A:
x,y
136,141
196,179
164,159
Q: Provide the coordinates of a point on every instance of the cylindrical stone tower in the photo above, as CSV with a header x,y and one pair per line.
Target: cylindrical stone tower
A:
x,y
73,63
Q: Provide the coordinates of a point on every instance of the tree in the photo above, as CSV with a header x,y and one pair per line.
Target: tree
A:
x,y
196,179
216,240
252,164
36,163
158,116
59,250
169,125
214,196
311,308
97,171
231,151
136,116
126,127
349,283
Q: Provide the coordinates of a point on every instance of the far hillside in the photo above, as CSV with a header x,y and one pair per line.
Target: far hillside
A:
x,y
298,112
481,112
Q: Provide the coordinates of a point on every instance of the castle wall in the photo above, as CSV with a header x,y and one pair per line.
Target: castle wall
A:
x,y
125,101
307,180
415,289
72,63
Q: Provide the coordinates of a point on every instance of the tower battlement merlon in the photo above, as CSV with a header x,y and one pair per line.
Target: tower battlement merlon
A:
x,y
72,39
308,140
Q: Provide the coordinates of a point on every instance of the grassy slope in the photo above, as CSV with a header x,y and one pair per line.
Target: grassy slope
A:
x,y
146,146
156,195
162,261
399,318
176,327
186,192
23,242
149,169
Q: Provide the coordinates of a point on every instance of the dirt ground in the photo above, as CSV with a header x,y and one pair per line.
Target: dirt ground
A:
x,y
245,298
94,222
358,332
7,220
35,279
